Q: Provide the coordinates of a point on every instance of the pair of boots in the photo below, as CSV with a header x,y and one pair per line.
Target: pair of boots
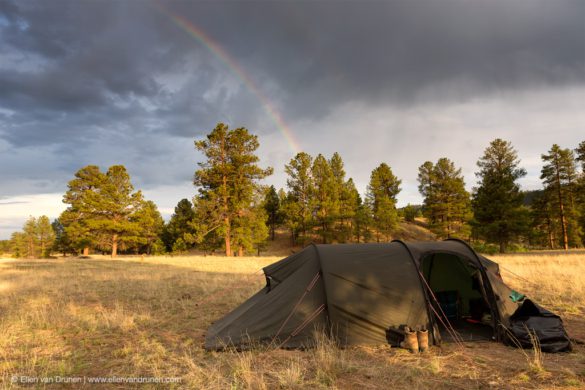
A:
x,y
415,341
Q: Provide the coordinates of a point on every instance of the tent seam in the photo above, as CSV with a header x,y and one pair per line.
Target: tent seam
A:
x,y
430,316
328,315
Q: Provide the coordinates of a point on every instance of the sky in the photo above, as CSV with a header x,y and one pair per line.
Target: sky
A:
x,y
401,82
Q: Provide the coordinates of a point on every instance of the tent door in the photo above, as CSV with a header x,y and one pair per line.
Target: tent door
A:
x,y
458,295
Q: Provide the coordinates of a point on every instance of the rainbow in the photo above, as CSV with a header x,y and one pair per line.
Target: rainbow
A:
x,y
216,49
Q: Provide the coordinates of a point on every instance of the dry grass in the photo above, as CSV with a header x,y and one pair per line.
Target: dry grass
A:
x,y
554,281
147,318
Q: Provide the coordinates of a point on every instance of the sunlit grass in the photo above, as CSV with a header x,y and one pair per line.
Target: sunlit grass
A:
x,y
148,317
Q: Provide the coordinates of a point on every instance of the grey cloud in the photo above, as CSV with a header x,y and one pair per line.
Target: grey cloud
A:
x,y
324,53
120,82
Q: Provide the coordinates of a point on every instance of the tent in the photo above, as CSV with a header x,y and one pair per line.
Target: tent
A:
x,y
367,293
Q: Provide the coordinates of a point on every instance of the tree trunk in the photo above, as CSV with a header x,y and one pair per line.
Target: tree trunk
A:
x,y
562,213
31,249
228,246
502,247
240,251
114,245
550,232
86,251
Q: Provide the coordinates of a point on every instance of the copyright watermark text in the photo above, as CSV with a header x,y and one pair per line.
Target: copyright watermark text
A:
x,y
24,379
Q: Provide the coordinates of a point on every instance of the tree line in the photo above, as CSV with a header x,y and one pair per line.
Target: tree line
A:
x,y
235,213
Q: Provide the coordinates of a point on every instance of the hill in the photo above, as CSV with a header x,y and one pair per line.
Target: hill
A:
x,y
408,231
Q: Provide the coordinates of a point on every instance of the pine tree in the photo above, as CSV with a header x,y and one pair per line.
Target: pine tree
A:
x,y
5,247
543,223
297,205
18,245
411,212
206,232
227,180
116,206
291,215
249,229
383,189
150,224
446,202
580,190
349,202
344,200
324,204
45,236
101,208
31,238
363,221
35,240
272,209
82,189
581,155
497,202
62,242
179,226
559,176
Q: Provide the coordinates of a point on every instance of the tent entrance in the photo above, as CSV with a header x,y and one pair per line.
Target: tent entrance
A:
x,y
456,284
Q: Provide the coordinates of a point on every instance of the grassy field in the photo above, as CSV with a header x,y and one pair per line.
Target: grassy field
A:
x,y
130,317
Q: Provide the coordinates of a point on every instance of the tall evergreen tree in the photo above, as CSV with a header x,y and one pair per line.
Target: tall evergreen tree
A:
x,y
115,209
349,202
62,242
150,224
206,232
325,206
101,208
559,176
249,228
382,192
272,209
296,208
363,221
543,222
45,235
344,200
31,238
180,226
446,202
18,245
580,190
581,155
497,202
227,180
82,189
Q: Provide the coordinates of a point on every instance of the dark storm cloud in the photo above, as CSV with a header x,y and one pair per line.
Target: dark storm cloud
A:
x,y
324,53
100,82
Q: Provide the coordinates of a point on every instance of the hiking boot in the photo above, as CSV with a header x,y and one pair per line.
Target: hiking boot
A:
x,y
423,340
410,341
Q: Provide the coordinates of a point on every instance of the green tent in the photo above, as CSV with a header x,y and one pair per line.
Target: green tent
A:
x,y
365,294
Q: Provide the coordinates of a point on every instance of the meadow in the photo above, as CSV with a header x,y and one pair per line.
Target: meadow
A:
x,y
147,317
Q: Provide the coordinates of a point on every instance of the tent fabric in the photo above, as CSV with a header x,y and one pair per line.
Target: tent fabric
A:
x,y
532,320
357,293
